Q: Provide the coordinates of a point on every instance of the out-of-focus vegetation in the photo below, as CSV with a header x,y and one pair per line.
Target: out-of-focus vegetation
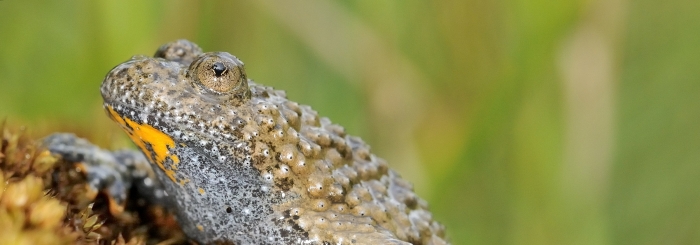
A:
x,y
521,122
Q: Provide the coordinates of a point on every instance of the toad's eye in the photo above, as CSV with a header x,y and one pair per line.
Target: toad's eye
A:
x,y
219,73
181,51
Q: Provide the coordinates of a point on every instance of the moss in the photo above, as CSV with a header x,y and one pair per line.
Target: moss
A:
x,y
45,200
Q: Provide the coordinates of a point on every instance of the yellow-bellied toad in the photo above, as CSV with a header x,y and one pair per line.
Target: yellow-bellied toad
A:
x,y
244,164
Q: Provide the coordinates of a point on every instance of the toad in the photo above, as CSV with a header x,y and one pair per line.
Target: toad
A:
x,y
240,163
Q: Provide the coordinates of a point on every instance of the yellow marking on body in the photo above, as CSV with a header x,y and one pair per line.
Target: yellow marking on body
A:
x,y
201,191
115,208
200,227
142,134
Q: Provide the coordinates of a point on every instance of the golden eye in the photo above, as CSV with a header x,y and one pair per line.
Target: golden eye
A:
x,y
219,73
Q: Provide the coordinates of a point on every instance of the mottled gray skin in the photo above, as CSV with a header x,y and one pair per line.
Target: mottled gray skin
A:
x,y
245,165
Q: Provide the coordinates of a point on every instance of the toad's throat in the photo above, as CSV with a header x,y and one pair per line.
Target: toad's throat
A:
x,y
158,147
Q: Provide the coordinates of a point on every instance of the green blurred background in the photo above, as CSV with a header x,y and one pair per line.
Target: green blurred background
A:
x,y
521,122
